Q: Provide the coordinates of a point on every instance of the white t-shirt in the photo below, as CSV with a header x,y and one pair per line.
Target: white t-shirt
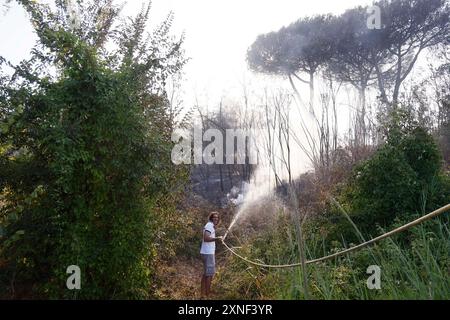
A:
x,y
208,247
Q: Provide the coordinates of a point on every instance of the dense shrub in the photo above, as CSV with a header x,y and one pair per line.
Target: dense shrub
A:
x,y
85,159
402,179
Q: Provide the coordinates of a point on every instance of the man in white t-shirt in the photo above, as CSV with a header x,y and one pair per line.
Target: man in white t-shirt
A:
x,y
207,252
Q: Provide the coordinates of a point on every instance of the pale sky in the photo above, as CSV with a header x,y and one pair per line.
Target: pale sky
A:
x,y
218,34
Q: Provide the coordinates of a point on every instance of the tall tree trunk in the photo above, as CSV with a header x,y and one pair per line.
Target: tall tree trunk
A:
x,y
230,176
381,85
311,91
221,177
362,116
398,79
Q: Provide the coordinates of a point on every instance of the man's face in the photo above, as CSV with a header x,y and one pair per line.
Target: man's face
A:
x,y
215,219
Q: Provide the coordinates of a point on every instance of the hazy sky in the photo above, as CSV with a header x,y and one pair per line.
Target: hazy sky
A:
x,y
218,34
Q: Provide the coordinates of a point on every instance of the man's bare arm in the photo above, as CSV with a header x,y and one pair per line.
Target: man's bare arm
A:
x,y
207,237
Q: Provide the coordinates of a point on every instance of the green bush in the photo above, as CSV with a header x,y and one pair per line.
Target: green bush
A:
x,y
85,159
403,178
383,188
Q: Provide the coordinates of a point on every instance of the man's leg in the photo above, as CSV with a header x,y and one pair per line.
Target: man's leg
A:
x,y
208,280
203,286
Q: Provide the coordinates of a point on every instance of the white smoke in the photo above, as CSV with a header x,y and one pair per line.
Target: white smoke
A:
x,y
261,187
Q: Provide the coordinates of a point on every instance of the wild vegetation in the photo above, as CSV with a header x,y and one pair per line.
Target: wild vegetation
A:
x,y
86,176
387,172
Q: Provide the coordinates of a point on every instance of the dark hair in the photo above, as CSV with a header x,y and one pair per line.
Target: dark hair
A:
x,y
213,214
